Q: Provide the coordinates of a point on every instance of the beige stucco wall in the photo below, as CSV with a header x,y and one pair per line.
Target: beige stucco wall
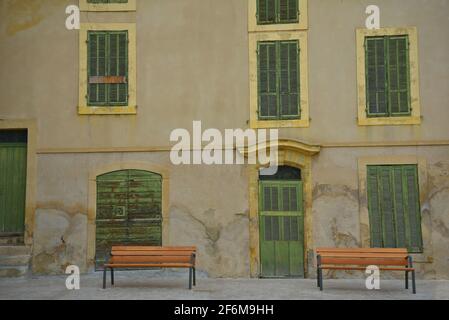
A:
x,y
200,211
192,64
192,60
337,204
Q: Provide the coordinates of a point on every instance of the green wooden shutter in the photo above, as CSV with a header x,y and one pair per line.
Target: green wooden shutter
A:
x,y
398,75
375,215
289,79
414,232
266,11
399,206
387,207
267,78
376,79
288,11
393,204
107,57
97,66
118,66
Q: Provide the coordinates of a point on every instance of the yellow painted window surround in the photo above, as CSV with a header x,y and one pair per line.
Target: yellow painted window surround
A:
x,y
131,107
254,40
302,24
415,116
107,7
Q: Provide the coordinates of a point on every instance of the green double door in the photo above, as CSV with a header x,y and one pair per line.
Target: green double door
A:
x,y
13,168
281,229
129,211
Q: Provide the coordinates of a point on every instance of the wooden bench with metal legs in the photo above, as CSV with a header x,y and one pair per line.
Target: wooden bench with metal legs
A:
x,y
141,257
359,259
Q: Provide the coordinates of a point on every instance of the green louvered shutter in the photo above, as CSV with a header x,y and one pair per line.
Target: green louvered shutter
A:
x,y
375,215
394,209
97,66
399,205
387,207
289,79
107,58
288,11
267,56
413,209
376,79
266,11
118,66
398,75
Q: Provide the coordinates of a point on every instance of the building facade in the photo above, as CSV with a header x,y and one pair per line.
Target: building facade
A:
x,y
86,117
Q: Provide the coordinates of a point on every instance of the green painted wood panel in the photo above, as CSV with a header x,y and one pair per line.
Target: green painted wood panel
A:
x,y
278,80
129,210
394,209
281,229
387,76
107,56
13,167
277,11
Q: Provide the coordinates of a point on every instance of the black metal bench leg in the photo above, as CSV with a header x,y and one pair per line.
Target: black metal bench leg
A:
x,y
104,277
194,276
406,279
413,282
318,277
112,276
321,279
190,278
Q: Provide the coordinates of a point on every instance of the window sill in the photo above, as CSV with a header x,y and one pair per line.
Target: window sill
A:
x,y
389,121
297,26
273,124
127,110
108,7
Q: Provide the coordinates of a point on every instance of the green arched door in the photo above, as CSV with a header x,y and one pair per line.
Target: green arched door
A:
x,y
129,211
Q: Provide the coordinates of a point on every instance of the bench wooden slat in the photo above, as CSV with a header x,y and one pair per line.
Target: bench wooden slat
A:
x,y
151,253
149,265
364,255
150,259
365,262
363,250
364,268
148,248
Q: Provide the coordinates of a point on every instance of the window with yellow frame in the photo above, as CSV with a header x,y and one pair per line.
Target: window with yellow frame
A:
x,y
107,81
278,80
276,15
388,79
107,5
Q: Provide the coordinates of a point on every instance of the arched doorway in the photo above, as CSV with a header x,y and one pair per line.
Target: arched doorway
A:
x,y
297,155
281,223
128,210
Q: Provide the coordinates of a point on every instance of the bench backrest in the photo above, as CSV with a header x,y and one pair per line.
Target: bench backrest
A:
x,y
363,256
146,254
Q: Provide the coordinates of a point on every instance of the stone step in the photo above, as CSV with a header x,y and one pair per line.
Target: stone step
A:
x,y
22,260
14,250
13,271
